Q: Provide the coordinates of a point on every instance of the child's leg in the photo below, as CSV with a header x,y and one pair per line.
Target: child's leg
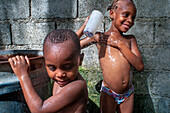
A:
x,y
107,103
127,105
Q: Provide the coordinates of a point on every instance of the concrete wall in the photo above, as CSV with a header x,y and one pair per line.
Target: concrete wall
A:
x,y
25,23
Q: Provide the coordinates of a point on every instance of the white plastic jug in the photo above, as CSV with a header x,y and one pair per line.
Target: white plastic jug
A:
x,y
93,23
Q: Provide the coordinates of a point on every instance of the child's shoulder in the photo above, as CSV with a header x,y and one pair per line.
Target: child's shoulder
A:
x,y
130,38
77,86
79,82
73,92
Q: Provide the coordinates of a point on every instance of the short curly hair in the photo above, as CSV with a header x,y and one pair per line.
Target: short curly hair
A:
x,y
61,35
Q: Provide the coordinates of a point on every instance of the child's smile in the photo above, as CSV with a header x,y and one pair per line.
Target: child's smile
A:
x,y
124,16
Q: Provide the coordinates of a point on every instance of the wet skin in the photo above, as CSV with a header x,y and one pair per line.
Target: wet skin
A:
x,y
121,51
117,54
69,90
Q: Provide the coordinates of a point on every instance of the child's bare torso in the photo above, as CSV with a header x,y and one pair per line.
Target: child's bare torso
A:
x,y
115,68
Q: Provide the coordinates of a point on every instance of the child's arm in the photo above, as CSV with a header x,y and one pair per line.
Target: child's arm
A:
x,y
80,31
87,41
69,93
20,67
90,40
133,56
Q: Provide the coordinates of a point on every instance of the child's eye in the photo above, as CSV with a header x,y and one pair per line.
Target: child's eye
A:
x,y
67,67
52,68
125,14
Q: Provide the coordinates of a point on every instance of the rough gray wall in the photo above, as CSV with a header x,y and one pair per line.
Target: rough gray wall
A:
x,y
25,23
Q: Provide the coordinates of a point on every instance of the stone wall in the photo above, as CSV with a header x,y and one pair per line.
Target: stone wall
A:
x,y
25,23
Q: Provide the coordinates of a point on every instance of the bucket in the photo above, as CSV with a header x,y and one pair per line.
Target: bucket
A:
x,y
11,96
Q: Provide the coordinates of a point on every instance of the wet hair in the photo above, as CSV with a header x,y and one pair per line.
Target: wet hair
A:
x,y
61,35
114,4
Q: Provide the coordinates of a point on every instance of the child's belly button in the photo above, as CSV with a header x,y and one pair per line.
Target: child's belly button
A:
x,y
124,83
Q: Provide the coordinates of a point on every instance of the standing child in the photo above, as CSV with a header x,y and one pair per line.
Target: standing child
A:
x,y
62,60
118,53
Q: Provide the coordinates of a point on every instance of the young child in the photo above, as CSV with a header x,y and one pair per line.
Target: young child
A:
x,y
117,54
62,60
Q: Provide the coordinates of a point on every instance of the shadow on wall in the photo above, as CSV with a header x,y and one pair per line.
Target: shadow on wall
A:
x,y
142,100
92,107
158,84
1,42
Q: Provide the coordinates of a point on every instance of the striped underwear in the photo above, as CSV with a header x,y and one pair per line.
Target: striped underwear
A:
x,y
119,98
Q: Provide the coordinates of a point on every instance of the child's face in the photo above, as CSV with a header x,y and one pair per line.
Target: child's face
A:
x,y
62,63
124,16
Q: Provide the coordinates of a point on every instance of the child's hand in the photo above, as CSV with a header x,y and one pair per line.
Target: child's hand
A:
x,y
86,20
20,65
113,40
80,31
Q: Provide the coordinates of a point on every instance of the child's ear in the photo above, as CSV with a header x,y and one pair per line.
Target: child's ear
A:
x,y
81,58
112,14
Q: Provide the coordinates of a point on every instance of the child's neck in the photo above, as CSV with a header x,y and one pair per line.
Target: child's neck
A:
x,y
114,29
